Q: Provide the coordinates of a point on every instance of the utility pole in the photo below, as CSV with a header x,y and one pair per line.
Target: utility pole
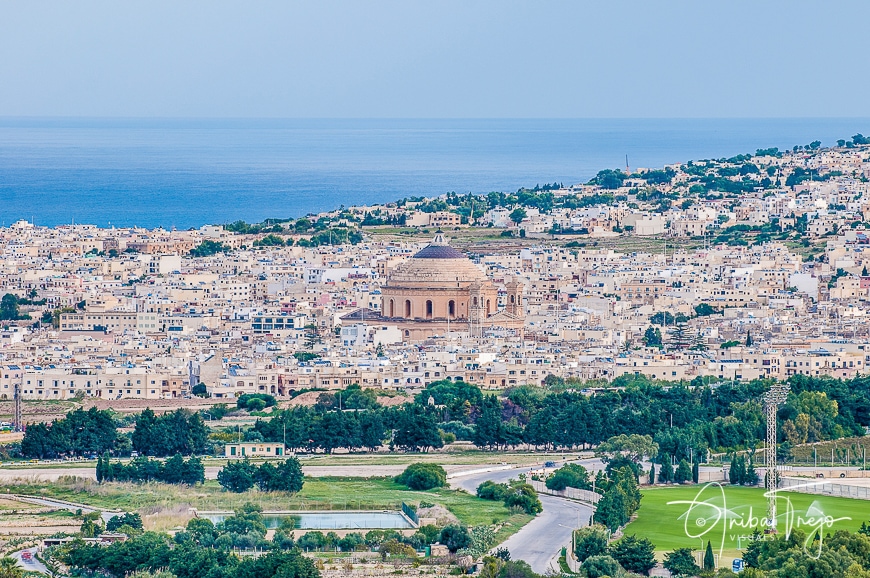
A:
x,y
773,398
19,419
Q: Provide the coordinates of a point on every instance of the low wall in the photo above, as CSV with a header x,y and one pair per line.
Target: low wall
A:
x,y
571,493
810,486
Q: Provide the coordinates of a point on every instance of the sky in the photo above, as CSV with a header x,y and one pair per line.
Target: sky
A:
x,y
434,59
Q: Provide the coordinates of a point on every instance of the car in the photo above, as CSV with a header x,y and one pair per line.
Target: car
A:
x,y
134,454
549,464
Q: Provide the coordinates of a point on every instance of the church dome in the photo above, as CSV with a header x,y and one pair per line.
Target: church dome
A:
x,y
437,263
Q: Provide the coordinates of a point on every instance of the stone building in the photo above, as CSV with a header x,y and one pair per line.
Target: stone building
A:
x,y
440,289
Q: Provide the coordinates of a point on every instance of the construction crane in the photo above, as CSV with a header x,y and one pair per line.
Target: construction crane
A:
x,y
773,398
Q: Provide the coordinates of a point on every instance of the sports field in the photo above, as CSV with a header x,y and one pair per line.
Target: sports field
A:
x,y
689,516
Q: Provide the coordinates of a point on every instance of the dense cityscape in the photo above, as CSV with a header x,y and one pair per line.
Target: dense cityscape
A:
x,y
510,384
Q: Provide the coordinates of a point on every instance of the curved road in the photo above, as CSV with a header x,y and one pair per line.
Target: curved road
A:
x,y
540,541
33,564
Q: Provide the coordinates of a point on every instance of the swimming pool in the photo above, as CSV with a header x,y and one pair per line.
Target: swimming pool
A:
x,y
327,520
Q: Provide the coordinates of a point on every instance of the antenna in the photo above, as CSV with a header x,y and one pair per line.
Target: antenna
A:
x,y
627,170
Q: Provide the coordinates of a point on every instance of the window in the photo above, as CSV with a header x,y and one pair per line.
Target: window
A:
x,y
451,308
429,309
407,308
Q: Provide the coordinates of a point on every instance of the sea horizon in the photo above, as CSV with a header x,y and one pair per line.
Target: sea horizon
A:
x,y
187,172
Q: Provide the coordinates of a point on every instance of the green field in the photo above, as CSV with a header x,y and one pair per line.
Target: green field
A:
x,y
724,519
317,494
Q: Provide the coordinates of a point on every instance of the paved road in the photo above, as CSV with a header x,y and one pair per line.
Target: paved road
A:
x,y
33,565
539,542
52,474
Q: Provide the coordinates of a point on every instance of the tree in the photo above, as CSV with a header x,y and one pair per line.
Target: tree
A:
x,y
286,477
696,471
455,537
634,554
9,308
569,475
490,490
489,430
416,429
635,447
748,339
666,473
601,566
524,496
652,337
681,562
517,215
423,476
709,560
590,541
679,337
683,473
237,476
131,519
9,568
199,390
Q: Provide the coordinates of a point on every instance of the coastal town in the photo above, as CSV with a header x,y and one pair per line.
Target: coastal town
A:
x,y
732,269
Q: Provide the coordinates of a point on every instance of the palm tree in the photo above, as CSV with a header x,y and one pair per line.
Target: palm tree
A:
x,y
9,568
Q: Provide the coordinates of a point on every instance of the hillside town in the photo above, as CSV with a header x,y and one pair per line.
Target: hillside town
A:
x,y
730,269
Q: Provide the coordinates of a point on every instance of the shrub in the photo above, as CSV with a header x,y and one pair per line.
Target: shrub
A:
x,y
569,475
396,548
599,566
590,541
455,537
490,490
423,476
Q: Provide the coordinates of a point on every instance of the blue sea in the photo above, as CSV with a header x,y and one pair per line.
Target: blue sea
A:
x,y
186,173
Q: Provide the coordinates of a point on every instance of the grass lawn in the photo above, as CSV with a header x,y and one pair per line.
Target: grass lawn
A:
x,y
725,519
318,493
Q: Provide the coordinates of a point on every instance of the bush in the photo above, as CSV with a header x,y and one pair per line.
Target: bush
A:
x,y
569,476
396,548
634,554
455,537
423,476
490,490
524,496
590,541
244,401
599,566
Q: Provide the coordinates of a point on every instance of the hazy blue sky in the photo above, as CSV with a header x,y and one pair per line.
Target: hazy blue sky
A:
x,y
438,58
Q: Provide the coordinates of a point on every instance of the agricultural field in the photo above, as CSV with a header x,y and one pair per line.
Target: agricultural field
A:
x,y
726,515
164,506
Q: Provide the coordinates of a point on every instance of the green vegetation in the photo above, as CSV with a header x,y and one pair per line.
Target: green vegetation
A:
x,y
209,248
656,517
569,476
79,433
9,308
179,432
241,475
184,559
516,494
175,470
423,476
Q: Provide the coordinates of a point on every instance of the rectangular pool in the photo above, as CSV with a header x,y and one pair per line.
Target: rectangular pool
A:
x,y
329,520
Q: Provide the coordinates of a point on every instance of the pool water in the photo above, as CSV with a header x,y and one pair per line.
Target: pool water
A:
x,y
330,520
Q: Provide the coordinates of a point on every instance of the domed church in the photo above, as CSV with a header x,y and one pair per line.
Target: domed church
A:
x,y
438,289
